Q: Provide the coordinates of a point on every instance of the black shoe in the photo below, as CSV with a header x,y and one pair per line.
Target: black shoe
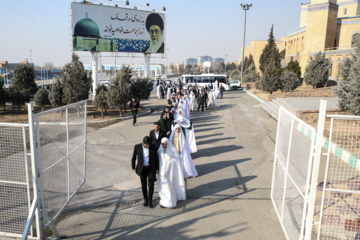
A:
x,y
145,203
151,204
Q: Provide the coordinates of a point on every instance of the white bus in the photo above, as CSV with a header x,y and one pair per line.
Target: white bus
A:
x,y
205,79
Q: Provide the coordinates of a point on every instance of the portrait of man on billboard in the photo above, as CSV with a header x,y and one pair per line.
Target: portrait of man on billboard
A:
x,y
155,27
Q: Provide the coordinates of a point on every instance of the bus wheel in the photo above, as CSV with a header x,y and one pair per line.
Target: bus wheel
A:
x,y
235,88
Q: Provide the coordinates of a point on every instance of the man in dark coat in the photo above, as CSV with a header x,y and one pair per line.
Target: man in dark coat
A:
x,y
156,135
202,100
134,106
145,163
165,124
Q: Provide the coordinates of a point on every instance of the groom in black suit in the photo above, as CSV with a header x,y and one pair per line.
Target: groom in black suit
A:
x,y
147,167
156,135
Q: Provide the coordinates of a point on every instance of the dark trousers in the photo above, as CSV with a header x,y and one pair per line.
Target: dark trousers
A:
x,y
134,116
145,180
201,104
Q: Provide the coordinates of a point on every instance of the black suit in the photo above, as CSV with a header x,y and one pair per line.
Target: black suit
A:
x,y
134,106
202,101
146,173
155,141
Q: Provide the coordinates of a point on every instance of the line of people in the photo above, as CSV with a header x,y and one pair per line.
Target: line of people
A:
x,y
165,154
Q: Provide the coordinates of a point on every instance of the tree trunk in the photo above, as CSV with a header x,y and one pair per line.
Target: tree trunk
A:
x,y
102,113
120,111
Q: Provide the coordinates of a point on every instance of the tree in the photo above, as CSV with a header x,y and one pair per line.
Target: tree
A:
x,y
76,83
24,80
288,81
18,100
119,90
101,100
250,74
282,54
42,98
270,78
317,71
270,52
141,88
348,89
293,66
56,94
221,67
3,94
235,74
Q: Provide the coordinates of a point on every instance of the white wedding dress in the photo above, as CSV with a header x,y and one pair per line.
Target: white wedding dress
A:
x,y
186,160
171,183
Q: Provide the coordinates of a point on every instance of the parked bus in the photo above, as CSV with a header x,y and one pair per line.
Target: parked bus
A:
x,y
205,79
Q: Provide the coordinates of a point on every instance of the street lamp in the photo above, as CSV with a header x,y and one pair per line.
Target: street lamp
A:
x,y
225,62
245,7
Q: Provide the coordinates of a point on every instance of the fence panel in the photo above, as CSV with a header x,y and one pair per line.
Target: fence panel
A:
x,y
61,137
338,203
291,174
14,179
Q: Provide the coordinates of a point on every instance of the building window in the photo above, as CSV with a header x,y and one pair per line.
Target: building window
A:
x,y
330,68
338,67
355,38
345,11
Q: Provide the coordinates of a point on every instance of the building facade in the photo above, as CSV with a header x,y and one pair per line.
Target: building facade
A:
x,y
329,26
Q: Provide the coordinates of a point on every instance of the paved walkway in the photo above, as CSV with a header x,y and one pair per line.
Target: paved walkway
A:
x,y
229,200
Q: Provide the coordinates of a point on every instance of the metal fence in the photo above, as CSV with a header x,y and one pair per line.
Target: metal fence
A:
x,y
18,182
291,173
61,138
337,214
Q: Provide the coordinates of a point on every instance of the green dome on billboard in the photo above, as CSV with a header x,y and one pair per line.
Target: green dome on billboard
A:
x,y
86,27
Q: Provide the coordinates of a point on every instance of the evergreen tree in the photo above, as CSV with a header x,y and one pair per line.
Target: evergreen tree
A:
x,y
317,71
288,81
293,66
119,90
101,100
250,74
141,88
42,98
24,80
282,54
270,78
270,52
76,83
4,97
56,94
17,100
348,89
235,74
221,67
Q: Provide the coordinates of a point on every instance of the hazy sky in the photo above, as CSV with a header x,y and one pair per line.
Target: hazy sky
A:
x,y
193,28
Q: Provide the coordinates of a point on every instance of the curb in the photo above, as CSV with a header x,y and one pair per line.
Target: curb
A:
x,y
254,96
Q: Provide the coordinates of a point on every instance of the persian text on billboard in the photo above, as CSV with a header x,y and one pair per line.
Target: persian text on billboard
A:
x,y
113,29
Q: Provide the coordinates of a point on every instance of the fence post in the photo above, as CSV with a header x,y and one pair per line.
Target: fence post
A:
x,y
316,168
34,169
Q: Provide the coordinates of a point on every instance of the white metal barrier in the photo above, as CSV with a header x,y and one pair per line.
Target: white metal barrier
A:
x,y
291,173
18,180
306,208
61,138
42,188
337,214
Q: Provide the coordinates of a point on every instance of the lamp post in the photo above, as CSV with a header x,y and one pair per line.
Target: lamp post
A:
x,y
245,7
30,56
225,62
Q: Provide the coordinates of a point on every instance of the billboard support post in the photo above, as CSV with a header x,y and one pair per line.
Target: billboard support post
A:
x,y
94,71
147,64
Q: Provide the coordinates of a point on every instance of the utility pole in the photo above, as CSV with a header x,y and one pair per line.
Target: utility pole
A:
x,y
245,7
225,62
30,56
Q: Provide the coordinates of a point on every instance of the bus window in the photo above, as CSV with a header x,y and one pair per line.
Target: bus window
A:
x,y
221,79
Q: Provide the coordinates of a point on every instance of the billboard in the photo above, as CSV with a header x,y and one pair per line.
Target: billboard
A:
x,y
115,29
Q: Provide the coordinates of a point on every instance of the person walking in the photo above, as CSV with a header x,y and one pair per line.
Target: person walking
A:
x,y
156,135
202,100
145,163
134,106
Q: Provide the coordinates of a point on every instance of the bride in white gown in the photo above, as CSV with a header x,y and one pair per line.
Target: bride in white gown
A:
x,y
177,138
171,183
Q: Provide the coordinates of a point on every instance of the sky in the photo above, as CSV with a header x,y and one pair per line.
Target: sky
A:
x,y
39,30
